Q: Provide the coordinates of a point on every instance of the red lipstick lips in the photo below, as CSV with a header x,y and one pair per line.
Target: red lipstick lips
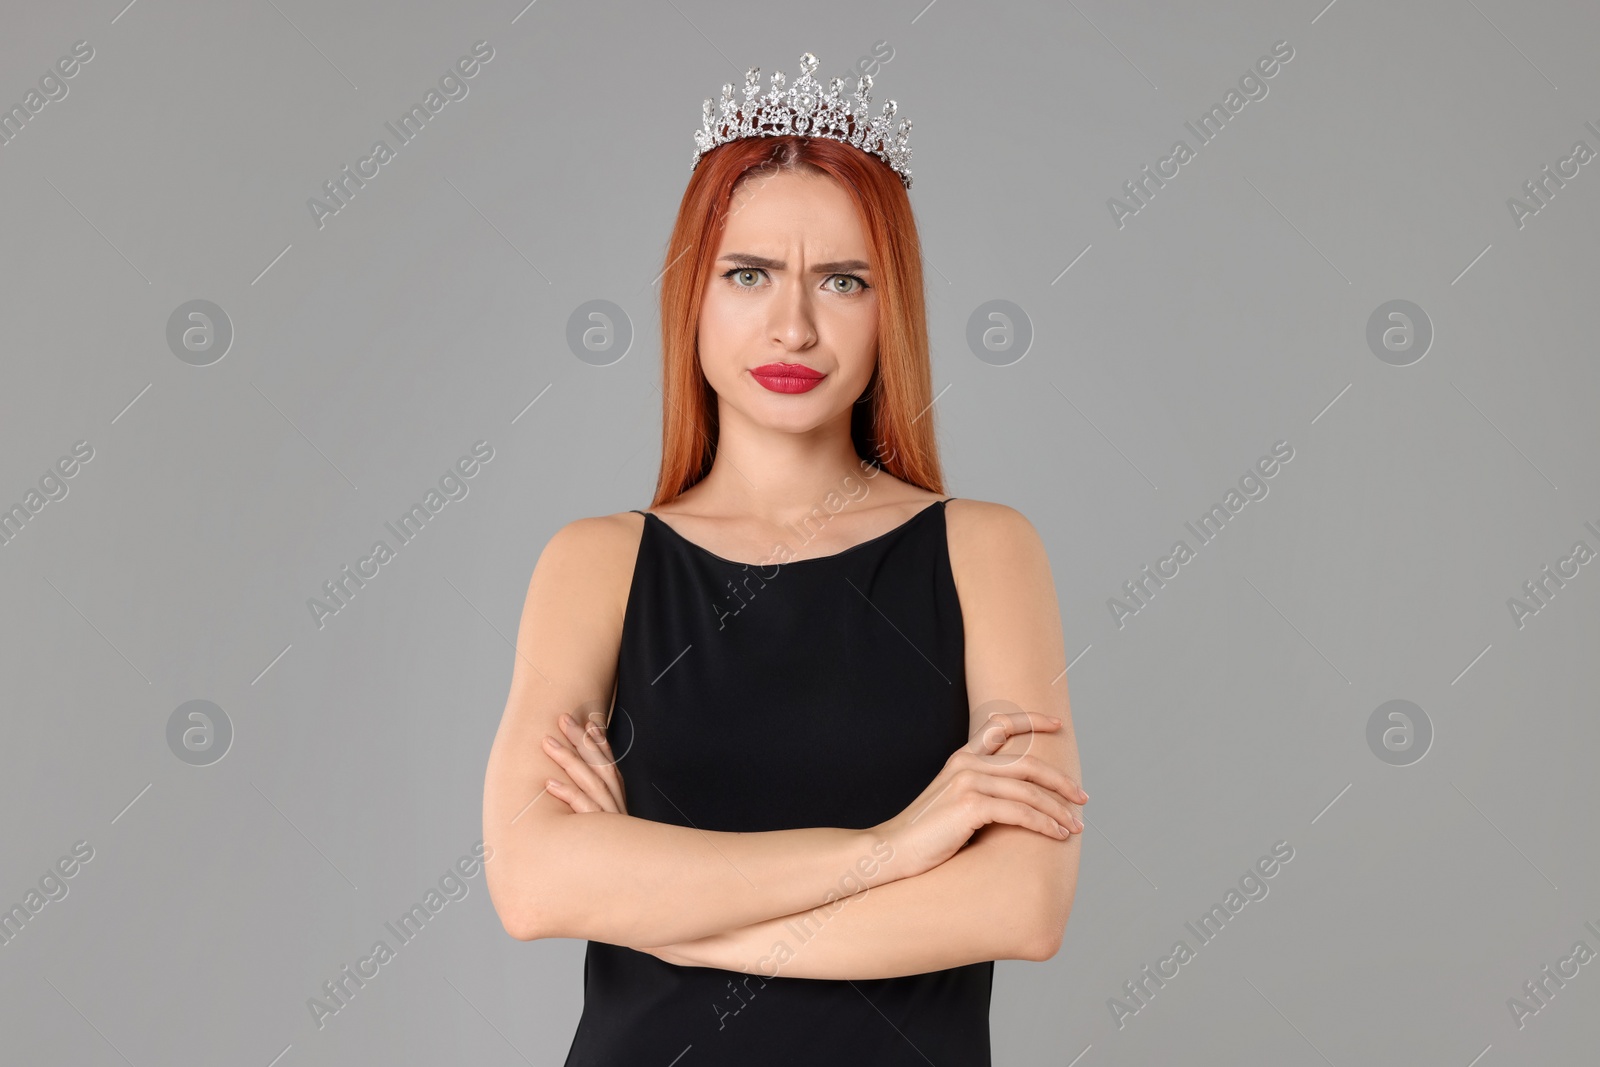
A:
x,y
787,377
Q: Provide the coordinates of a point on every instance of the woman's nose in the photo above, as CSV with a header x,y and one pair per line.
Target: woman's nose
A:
x,y
794,317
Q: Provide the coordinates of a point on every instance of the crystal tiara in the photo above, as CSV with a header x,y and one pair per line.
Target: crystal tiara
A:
x,y
804,109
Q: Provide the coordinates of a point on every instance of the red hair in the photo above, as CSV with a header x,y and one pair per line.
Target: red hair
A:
x,y
893,429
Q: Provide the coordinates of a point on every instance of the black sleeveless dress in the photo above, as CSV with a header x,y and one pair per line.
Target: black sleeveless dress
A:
x,y
826,691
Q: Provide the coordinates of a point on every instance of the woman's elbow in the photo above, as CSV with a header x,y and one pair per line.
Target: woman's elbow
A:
x,y
515,916
517,926
529,892
514,895
1045,943
1050,924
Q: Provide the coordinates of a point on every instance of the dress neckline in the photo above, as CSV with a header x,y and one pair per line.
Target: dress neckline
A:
x,y
937,504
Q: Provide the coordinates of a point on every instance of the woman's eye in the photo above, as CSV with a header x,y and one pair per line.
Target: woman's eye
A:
x,y
750,277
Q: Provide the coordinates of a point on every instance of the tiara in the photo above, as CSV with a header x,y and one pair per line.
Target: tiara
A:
x,y
805,110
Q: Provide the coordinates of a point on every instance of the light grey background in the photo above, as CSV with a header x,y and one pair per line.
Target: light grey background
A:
x,y
432,312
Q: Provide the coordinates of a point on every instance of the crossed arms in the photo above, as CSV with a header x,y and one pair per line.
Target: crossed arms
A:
x,y
819,902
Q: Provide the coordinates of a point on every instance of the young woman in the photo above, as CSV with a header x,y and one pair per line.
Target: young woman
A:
x,y
791,749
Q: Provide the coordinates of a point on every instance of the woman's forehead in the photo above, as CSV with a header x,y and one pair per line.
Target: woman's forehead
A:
x,y
811,216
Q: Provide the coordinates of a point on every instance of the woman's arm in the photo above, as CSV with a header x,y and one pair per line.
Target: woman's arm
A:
x,y
974,906
612,877
1016,655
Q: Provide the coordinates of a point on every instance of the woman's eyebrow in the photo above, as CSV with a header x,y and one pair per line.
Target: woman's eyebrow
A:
x,y
745,259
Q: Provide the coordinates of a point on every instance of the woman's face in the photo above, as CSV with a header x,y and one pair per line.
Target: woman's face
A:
x,y
790,291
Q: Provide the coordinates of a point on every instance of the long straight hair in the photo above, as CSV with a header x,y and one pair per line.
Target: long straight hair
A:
x,y
892,424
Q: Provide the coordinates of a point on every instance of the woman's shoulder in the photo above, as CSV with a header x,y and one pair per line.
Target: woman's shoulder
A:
x,y
620,524
980,519
594,552
597,535
988,541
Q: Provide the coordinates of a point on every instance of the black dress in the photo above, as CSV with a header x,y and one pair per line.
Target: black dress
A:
x,y
826,691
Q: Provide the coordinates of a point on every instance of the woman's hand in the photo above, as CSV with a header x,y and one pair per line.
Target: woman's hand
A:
x,y
584,752
979,786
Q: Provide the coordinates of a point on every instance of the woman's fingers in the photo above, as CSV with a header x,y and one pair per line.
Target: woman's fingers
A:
x,y
1046,801
1017,813
582,775
587,738
597,736
1033,769
574,799
1001,726
590,742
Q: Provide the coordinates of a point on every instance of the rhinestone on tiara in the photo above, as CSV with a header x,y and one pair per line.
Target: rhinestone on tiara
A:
x,y
805,109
